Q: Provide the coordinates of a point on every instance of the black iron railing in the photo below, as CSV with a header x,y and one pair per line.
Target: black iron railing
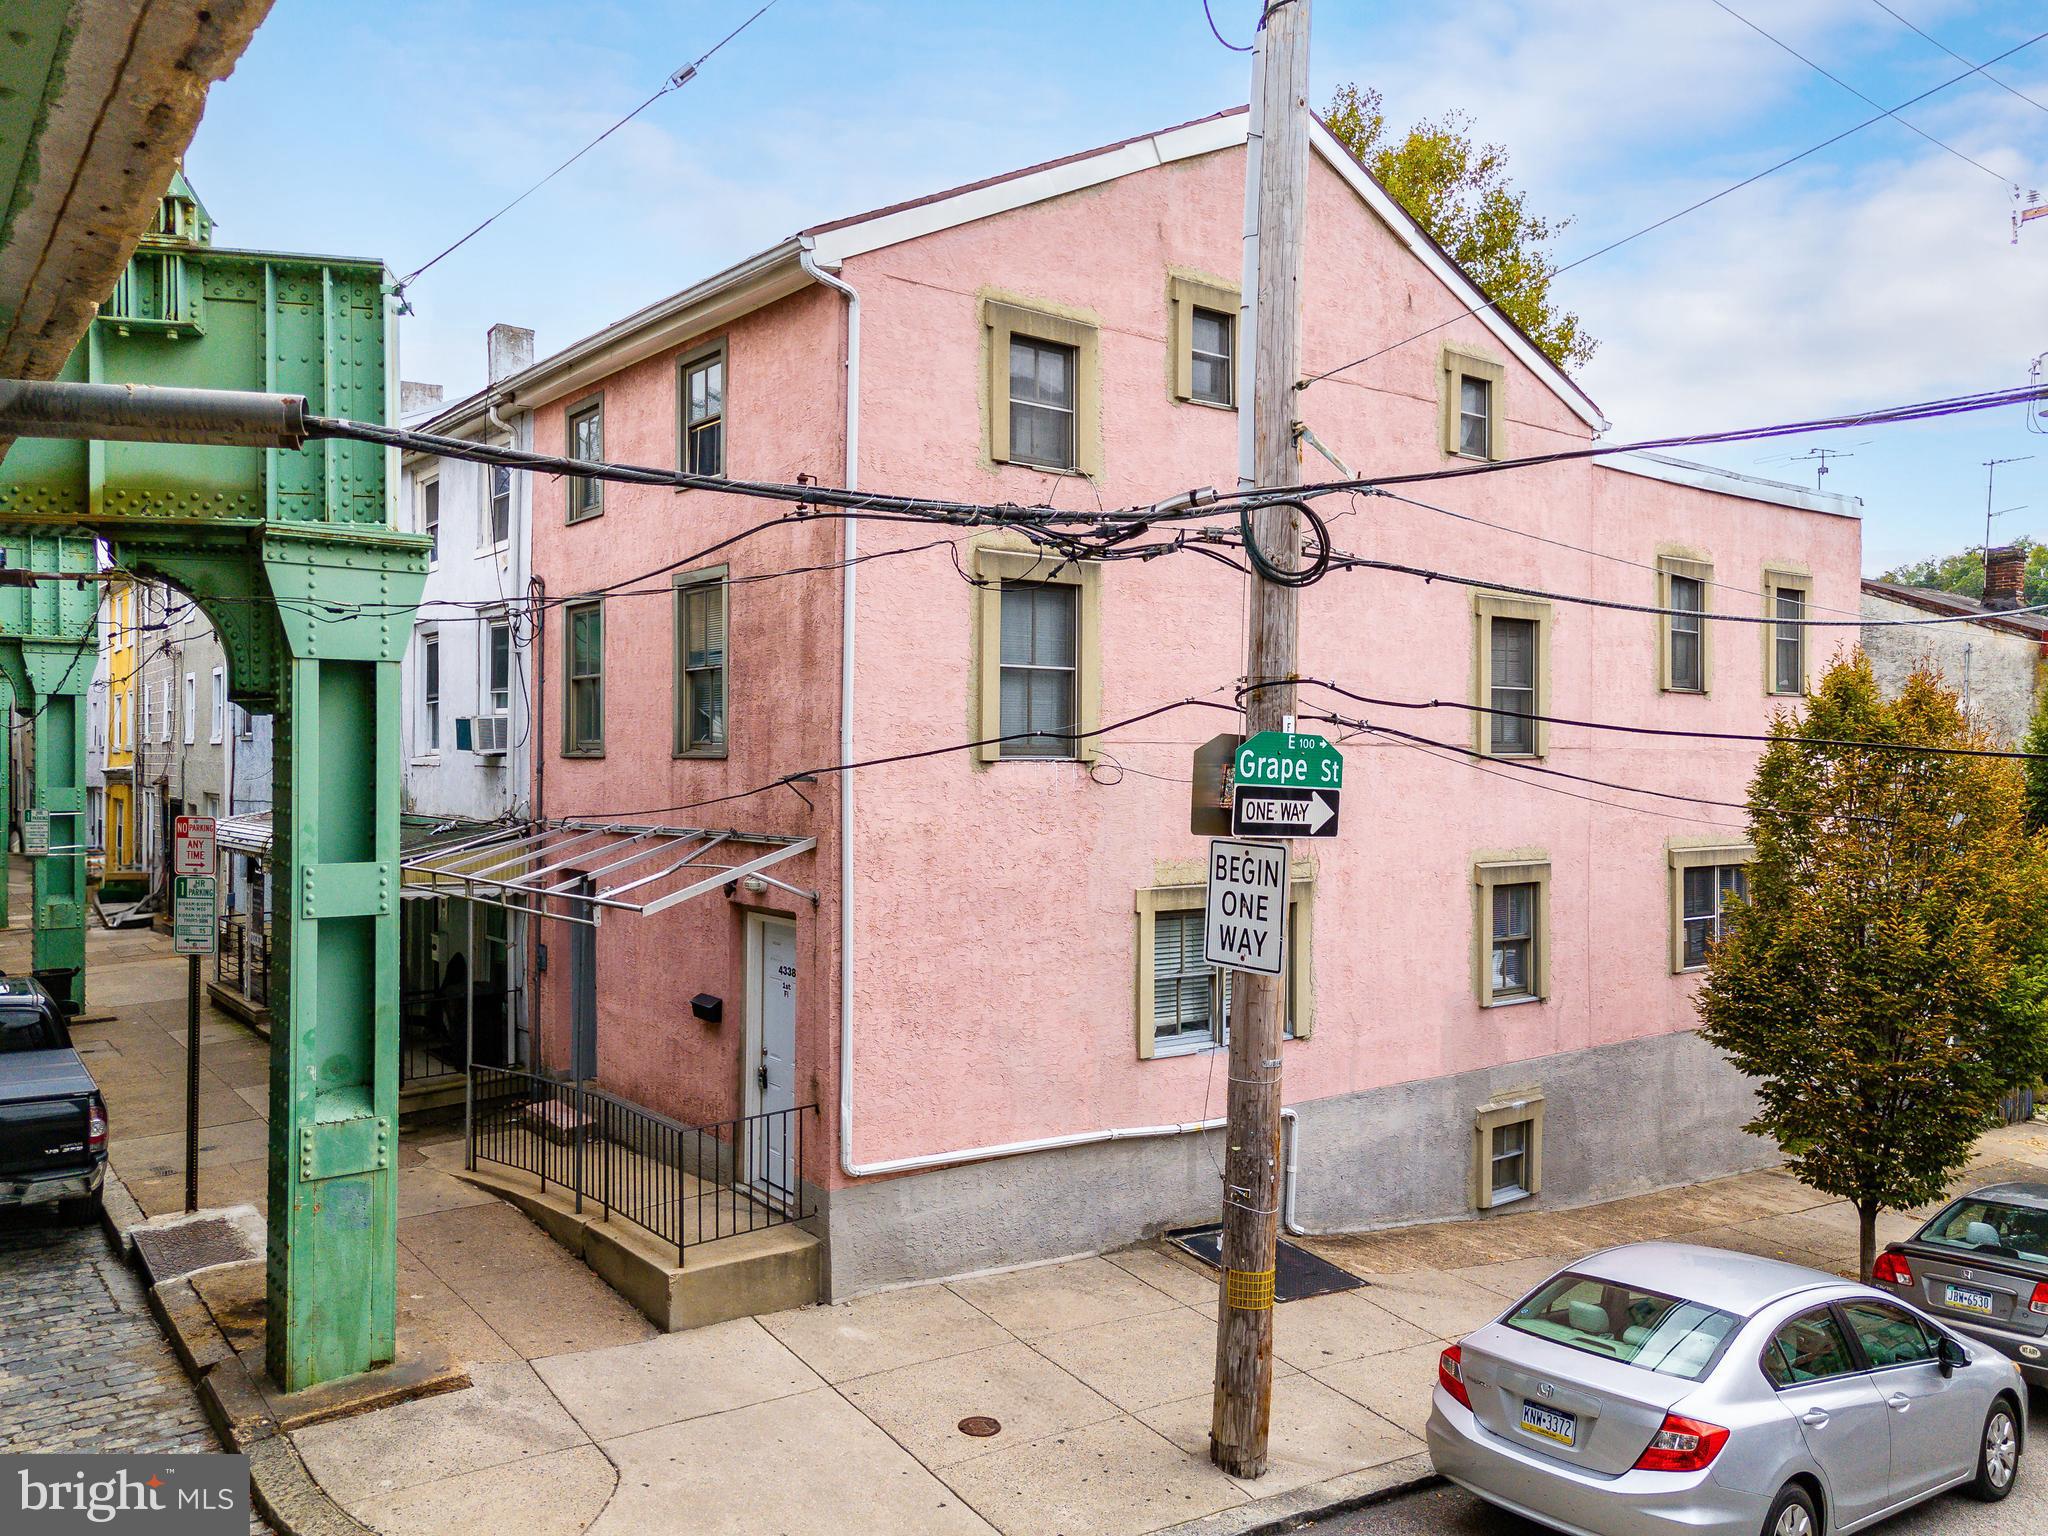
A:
x,y
686,1184
241,959
432,1025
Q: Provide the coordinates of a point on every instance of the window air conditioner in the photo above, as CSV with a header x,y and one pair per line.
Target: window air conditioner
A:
x,y
485,735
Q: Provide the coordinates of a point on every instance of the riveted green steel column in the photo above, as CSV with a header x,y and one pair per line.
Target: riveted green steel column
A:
x,y
334,1054
6,793
61,676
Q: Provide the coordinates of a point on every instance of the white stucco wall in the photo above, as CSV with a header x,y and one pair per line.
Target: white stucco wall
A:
x,y
469,579
1993,669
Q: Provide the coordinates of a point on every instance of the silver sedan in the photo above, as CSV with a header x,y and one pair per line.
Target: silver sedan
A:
x,y
1665,1388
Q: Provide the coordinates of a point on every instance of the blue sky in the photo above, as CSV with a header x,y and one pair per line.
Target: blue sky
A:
x,y
1875,272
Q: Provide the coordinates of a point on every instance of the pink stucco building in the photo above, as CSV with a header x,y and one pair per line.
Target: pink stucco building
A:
x,y
993,1003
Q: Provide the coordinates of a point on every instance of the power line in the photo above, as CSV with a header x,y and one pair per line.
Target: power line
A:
x,y
1959,58
1341,561
1582,549
1102,534
1670,731
805,776
675,81
1919,410
1866,100
1416,743
1215,32
1690,208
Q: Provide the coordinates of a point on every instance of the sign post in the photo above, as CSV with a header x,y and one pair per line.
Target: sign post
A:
x,y
35,833
195,931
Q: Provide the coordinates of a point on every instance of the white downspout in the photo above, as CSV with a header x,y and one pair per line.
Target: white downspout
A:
x,y
806,257
846,636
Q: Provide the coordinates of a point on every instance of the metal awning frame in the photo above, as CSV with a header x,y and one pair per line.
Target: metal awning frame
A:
x,y
547,849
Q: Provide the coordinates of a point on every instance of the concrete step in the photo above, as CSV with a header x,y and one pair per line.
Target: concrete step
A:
x,y
746,1274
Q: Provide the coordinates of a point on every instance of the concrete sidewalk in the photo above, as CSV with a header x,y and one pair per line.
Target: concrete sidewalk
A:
x,y
846,1418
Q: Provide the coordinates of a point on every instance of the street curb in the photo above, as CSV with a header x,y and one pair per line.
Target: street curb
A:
x,y
283,1491
1302,1507
118,1212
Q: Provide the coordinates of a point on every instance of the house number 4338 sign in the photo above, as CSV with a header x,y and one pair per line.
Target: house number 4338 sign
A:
x,y
1286,784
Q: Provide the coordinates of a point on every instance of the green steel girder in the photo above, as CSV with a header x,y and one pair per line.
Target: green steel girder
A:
x,y
293,557
47,645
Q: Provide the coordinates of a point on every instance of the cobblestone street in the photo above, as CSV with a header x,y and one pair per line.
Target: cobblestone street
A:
x,y
83,1366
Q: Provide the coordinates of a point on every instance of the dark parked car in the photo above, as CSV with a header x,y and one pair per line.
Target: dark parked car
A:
x,y
53,1121
1981,1266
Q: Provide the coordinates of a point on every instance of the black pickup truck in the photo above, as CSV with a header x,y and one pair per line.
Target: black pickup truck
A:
x,y
53,1121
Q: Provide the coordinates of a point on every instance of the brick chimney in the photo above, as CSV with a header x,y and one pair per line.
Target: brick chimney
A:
x,y
2005,577
510,349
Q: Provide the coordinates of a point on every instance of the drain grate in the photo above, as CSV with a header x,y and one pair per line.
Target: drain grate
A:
x,y
204,1241
1301,1274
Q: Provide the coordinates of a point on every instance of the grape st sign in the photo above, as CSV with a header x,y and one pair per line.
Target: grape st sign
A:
x,y
1286,784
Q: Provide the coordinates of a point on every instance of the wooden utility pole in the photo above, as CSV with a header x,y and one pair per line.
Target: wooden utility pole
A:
x,y
1276,194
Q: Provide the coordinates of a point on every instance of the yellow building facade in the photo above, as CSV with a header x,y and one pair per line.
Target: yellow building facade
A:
x,y
121,636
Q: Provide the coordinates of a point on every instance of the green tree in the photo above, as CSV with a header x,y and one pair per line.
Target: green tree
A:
x,y
1460,192
1887,981
1964,572
2036,768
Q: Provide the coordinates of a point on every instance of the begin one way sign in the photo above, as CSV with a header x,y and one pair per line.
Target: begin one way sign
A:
x,y
1245,925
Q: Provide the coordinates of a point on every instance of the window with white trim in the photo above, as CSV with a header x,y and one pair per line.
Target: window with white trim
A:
x,y
218,725
1183,1001
1039,668
1788,640
190,699
1043,376
1514,940
1511,675
429,494
1707,883
496,529
701,658
1472,392
701,400
1511,960
586,442
430,691
497,668
1507,1149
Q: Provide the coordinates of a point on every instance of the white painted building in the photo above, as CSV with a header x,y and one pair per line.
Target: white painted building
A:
x,y
1994,663
467,732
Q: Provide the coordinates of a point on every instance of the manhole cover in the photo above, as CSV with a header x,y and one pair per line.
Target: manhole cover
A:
x,y
171,1251
980,1425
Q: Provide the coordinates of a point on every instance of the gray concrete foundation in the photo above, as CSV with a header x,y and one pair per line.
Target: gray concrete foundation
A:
x,y
1618,1120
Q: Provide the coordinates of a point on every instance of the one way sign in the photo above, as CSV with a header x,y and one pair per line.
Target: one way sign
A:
x,y
1296,811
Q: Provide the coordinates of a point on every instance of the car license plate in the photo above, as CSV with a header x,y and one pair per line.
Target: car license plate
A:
x,y
1963,1299
1549,1424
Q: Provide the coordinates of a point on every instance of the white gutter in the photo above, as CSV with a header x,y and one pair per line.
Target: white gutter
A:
x,y
846,637
852,1168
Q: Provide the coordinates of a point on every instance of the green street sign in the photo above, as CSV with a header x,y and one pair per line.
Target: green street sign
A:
x,y
1283,760
1287,785
194,900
